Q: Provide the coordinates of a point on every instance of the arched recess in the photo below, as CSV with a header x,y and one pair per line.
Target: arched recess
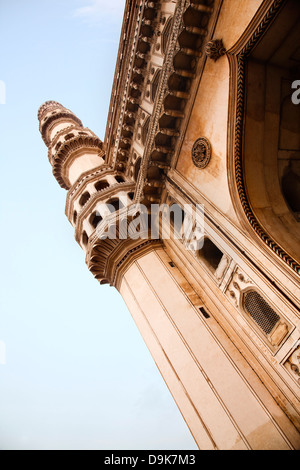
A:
x,y
263,138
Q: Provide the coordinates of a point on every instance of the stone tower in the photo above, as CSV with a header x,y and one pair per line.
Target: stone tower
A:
x,y
220,317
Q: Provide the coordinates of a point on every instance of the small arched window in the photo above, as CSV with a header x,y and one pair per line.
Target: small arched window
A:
x,y
84,238
119,179
114,204
75,217
102,184
84,198
137,167
95,219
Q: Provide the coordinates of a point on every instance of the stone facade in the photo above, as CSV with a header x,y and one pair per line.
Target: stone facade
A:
x,y
201,114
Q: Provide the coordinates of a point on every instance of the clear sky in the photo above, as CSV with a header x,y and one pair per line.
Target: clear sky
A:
x,y
77,374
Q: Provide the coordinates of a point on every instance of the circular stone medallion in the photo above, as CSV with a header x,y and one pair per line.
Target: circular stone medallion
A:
x,y
201,152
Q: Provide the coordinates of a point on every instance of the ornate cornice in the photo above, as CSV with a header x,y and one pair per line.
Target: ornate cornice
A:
x,y
237,58
177,74
125,108
67,150
108,259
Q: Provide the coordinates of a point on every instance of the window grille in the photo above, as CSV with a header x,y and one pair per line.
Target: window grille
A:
x,y
260,311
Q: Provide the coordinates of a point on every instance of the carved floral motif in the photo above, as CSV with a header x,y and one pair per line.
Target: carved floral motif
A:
x,y
201,152
215,49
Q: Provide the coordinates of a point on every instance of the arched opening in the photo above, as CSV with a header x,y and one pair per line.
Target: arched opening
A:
x,y
102,184
119,179
75,217
114,204
95,219
271,150
84,238
84,198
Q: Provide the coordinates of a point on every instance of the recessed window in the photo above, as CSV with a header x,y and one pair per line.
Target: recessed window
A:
x,y
75,217
210,254
84,198
131,195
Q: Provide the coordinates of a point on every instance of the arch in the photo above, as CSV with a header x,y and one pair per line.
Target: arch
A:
x,y
95,219
84,198
263,66
114,204
84,238
102,184
120,179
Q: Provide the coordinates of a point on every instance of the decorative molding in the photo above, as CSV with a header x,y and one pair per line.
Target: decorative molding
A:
x,y
66,151
201,152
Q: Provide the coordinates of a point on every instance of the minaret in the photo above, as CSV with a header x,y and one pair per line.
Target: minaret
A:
x,y
98,195
221,398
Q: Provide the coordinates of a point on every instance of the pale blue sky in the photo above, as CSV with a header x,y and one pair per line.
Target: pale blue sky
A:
x,y
77,373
